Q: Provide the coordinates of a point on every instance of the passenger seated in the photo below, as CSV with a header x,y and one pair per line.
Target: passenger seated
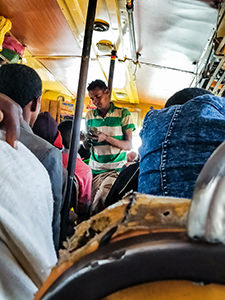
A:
x,y
82,172
22,84
26,212
178,140
47,128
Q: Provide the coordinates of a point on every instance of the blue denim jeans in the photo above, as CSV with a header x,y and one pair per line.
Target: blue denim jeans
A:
x,y
176,143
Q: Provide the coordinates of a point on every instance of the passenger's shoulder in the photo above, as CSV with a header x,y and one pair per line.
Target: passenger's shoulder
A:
x,y
164,113
122,110
210,99
125,111
38,146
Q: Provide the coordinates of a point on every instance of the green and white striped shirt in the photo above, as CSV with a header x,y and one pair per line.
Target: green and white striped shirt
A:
x,y
105,157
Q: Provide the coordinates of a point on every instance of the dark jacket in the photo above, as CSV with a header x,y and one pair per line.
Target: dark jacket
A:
x,y
126,181
51,159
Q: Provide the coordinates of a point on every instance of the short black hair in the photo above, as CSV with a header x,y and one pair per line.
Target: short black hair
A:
x,y
46,127
184,95
65,128
20,82
97,84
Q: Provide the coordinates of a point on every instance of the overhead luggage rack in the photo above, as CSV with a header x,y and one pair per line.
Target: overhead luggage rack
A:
x,y
212,73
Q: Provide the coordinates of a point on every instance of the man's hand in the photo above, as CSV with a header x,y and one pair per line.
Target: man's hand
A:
x,y
10,117
99,137
102,137
124,144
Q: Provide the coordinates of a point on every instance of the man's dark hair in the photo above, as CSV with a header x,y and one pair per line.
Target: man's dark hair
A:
x,y
97,84
20,82
46,127
184,95
65,128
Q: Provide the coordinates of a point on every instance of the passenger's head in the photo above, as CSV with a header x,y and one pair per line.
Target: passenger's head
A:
x,y
65,128
184,95
46,127
24,86
99,94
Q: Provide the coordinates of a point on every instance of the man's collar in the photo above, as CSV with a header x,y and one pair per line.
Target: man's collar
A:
x,y
26,126
111,109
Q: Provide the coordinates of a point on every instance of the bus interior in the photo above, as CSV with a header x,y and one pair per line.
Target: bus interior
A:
x,y
160,48
145,51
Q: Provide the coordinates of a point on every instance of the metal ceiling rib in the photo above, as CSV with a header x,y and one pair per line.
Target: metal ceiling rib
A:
x,y
74,16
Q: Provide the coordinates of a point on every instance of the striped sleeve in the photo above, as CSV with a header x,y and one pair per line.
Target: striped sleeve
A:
x,y
88,117
127,122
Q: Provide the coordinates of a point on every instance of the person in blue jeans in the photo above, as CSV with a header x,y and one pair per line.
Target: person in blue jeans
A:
x,y
178,140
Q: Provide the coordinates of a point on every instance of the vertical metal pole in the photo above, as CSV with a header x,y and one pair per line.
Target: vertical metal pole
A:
x,y
78,114
111,71
130,7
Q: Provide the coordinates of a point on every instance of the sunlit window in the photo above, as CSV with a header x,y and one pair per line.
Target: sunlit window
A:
x,y
82,125
136,141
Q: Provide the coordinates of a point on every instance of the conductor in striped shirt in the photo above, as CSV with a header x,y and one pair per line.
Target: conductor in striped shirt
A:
x,y
109,135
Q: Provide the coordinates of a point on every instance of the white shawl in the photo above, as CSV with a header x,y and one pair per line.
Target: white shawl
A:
x,y
26,207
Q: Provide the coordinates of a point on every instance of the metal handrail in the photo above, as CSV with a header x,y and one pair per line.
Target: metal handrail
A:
x,y
75,134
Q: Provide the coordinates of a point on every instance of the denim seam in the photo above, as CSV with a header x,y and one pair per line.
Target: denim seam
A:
x,y
146,119
164,151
